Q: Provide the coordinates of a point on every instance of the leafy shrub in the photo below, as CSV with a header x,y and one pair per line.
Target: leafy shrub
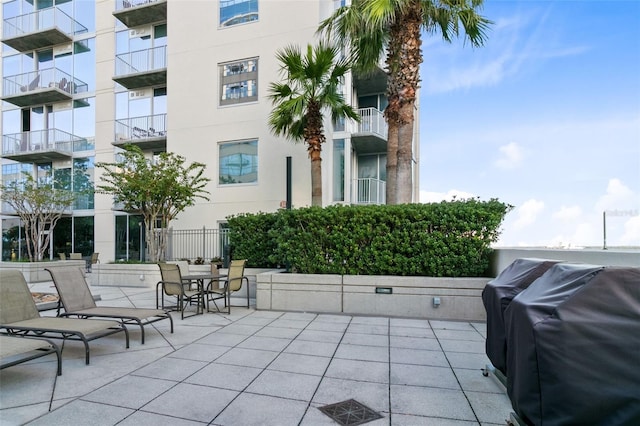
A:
x,y
447,239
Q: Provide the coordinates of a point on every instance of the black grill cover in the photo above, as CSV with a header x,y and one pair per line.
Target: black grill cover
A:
x,y
497,295
574,347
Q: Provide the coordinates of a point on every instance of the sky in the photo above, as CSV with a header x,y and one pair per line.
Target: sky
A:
x,y
544,117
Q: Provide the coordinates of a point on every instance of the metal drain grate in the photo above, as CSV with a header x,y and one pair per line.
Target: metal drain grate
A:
x,y
350,413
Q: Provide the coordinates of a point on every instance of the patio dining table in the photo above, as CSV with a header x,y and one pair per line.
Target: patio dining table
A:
x,y
200,279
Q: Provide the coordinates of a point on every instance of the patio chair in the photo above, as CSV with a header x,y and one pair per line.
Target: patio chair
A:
x,y
233,283
16,350
173,285
75,256
19,316
62,256
78,302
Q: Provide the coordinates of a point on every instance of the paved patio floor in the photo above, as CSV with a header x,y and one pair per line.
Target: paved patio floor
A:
x,y
259,368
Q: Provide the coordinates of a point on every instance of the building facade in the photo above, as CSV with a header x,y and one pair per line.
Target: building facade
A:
x,y
82,78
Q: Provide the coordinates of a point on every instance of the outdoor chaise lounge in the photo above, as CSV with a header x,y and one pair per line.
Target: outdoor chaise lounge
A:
x,y
19,316
78,301
16,350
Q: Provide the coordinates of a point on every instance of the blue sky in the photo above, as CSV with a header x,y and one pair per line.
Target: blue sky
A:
x,y
545,117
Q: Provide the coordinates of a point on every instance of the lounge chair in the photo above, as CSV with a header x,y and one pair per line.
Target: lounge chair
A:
x,y
233,283
173,285
78,302
19,316
16,350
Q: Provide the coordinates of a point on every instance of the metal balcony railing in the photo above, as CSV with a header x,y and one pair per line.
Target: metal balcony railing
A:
x,y
151,126
371,122
41,20
128,4
141,61
41,141
369,191
48,78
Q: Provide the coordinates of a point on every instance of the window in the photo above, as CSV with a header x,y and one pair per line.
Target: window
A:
x,y
239,82
238,162
338,170
234,12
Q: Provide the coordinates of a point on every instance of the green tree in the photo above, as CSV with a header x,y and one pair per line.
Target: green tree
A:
x,y
311,85
158,189
373,28
39,204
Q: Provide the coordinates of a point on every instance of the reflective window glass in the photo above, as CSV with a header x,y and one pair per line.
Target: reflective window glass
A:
x,y
238,162
234,12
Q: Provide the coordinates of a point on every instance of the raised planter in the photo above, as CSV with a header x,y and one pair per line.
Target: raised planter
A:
x,y
125,275
34,271
459,298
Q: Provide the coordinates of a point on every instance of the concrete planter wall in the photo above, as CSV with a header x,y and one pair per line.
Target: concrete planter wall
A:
x,y
34,271
460,298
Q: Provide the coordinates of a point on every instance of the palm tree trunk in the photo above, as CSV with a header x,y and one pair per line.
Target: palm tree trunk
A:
x,y
392,161
316,179
314,137
409,79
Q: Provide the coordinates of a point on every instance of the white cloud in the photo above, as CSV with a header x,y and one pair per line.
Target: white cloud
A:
x,y
511,156
631,235
568,213
527,213
618,196
436,197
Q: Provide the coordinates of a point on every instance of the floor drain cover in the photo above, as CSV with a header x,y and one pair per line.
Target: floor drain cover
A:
x,y
350,413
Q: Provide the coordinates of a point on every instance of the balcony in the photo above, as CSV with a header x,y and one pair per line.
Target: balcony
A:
x,y
369,191
40,145
142,68
42,28
48,85
134,13
370,135
149,132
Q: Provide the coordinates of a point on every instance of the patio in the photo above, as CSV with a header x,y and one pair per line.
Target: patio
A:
x,y
260,368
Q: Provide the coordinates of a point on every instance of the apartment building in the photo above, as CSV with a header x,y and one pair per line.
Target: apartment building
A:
x,y
81,78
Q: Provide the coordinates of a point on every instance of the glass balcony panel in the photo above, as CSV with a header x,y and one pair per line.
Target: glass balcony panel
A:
x,y
134,13
369,191
142,68
42,28
47,85
41,145
148,132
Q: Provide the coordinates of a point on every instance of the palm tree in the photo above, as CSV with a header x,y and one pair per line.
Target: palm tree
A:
x,y
371,28
311,85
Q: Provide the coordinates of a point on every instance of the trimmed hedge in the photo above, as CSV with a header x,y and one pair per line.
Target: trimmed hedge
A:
x,y
447,239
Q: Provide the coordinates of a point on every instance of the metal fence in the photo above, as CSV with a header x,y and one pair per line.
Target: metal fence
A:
x,y
194,243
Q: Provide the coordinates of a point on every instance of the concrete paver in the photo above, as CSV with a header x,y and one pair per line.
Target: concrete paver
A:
x,y
260,368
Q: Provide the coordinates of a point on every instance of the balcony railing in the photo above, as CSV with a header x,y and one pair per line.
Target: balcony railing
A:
x,y
42,28
148,131
369,191
42,144
41,86
134,13
142,68
371,122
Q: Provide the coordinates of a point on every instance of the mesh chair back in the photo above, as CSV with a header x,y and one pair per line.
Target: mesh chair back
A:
x,y
94,258
171,278
72,288
235,274
16,301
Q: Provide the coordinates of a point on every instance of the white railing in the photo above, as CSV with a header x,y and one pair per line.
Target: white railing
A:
x,y
369,191
141,61
371,122
40,20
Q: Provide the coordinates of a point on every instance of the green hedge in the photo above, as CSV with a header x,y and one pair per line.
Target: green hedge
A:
x,y
447,239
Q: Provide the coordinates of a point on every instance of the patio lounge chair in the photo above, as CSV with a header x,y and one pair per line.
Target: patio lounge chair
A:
x,y
173,285
16,350
78,302
19,316
233,283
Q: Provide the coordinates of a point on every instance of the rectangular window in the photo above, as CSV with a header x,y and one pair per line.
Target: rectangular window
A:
x,y
238,162
338,170
239,82
234,12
